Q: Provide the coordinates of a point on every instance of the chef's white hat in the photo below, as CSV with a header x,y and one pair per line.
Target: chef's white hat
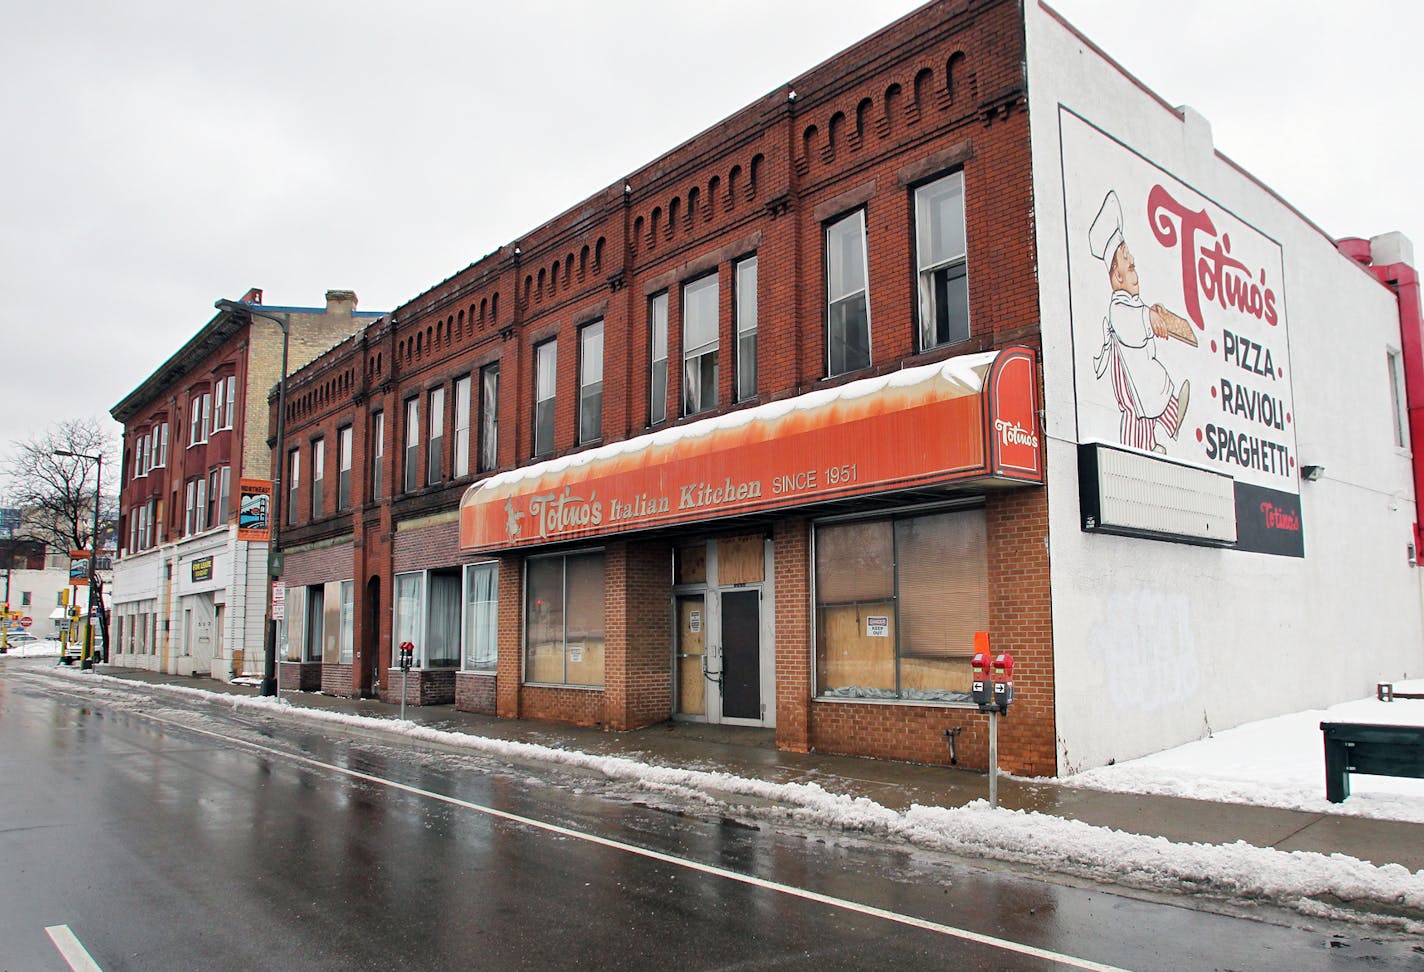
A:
x,y
1105,235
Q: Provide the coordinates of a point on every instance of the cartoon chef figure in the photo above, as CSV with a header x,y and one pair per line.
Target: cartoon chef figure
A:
x,y
1145,392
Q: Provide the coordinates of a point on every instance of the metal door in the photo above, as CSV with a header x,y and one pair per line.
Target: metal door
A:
x,y
741,654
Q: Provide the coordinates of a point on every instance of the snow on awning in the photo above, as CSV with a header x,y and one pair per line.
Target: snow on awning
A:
x,y
971,418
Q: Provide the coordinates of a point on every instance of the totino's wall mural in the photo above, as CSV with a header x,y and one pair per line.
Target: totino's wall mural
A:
x,y
1180,338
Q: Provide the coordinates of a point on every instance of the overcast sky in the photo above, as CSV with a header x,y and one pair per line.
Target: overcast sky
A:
x,y
161,154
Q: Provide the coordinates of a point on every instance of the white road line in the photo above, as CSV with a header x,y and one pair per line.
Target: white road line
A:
x,y
73,952
825,899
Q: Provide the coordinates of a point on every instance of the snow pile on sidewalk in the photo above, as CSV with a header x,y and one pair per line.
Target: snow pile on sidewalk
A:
x,y
1313,884
1276,762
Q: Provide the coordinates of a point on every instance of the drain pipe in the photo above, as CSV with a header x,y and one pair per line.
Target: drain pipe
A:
x,y
952,735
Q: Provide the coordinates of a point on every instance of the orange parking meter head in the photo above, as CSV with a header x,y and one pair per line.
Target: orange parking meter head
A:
x,y
981,689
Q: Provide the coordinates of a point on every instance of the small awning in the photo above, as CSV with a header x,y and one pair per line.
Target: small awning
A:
x,y
964,420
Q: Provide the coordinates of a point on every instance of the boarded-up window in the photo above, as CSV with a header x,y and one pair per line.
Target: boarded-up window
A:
x,y
564,627
741,560
897,605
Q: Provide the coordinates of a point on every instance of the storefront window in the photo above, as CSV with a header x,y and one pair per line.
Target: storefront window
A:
x,y
442,631
564,632
407,621
348,625
481,617
897,605
428,615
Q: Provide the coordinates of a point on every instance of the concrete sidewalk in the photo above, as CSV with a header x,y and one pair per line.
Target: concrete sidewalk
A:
x,y
752,753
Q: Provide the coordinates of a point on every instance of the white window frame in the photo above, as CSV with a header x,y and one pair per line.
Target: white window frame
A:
x,y
343,463
294,482
744,301
952,262
378,456
842,292
1398,397
546,379
318,478
435,442
658,358
410,444
591,382
460,461
466,648
696,396
489,417
346,638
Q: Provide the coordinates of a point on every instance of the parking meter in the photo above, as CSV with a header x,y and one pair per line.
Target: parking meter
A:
x,y
981,690
1003,681
407,655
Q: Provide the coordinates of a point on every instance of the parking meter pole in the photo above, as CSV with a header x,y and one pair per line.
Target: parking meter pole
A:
x,y
993,759
404,675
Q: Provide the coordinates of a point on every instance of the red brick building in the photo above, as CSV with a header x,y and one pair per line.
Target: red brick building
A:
x,y
189,597
758,433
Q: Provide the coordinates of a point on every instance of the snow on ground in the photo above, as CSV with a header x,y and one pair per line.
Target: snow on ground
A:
x,y
34,649
1317,885
1276,762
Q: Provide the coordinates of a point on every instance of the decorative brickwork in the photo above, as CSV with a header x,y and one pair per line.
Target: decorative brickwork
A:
x,y
939,91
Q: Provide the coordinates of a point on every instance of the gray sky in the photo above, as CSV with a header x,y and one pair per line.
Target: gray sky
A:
x,y
161,154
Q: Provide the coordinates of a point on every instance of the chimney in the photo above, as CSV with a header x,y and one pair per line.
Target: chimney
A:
x,y
341,302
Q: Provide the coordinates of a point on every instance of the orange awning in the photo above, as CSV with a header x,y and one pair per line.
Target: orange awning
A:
x,y
964,419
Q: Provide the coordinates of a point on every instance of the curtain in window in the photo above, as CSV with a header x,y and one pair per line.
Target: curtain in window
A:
x,y
442,646
481,617
407,626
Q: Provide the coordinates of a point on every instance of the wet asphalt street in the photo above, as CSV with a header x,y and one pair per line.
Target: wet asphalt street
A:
x,y
168,834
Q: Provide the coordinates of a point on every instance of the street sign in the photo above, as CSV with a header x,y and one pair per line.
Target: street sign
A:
x,y
279,602
25,622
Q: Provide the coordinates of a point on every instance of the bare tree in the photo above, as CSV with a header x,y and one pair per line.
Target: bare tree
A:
x,y
55,492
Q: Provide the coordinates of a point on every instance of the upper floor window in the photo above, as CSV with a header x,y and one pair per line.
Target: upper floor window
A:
x,y
591,382
461,451
434,462
489,417
140,456
200,415
847,296
658,371
745,283
412,444
318,474
343,463
219,491
378,454
294,480
1397,399
699,345
160,444
224,402
941,266
196,505
545,368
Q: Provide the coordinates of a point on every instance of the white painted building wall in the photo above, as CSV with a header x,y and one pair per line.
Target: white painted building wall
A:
x,y
1158,643
160,582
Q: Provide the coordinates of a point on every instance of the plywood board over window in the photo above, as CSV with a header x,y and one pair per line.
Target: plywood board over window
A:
x,y
740,560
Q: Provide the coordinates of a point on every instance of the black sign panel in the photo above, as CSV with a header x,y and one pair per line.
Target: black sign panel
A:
x,y
1268,521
